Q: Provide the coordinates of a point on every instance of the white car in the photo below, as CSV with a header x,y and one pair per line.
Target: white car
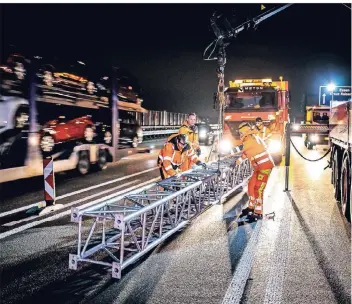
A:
x,y
14,113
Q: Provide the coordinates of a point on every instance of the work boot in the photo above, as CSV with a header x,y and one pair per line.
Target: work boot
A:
x,y
254,217
246,211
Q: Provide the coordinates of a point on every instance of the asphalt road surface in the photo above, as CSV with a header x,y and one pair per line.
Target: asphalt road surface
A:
x,y
303,256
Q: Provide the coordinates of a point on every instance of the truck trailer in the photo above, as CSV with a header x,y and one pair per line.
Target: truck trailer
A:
x,y
340,160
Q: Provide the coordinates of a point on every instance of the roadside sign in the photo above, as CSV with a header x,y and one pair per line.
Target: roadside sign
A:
x,y
341,93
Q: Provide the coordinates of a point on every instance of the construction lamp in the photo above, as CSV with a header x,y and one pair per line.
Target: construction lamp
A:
x,y
274,146
225,146
314,138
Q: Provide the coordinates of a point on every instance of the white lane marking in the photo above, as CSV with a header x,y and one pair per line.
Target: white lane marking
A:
x,y
236,288
140,156
275,282
76,192
68,212
73,203
20,221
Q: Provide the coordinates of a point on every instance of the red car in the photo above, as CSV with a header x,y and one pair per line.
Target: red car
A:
x,y
61,130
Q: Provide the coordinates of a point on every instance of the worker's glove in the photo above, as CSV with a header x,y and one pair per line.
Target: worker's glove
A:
x,y
198,152
199,163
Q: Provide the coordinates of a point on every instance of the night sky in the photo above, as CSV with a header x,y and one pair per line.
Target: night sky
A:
x,y
162,45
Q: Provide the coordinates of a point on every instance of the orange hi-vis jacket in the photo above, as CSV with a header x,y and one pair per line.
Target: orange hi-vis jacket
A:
x,y
192,159
254,149
192,136
264,133
171,160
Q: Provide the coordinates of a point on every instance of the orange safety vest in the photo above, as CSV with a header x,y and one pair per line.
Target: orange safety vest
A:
x,y
192,136
254,149
171,160
264,133
190,161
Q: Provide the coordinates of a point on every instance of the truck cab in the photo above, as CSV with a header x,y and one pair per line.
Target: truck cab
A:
x,y
317,115
247,99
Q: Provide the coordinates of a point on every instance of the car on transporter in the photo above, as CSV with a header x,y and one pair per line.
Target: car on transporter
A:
x,y
130,132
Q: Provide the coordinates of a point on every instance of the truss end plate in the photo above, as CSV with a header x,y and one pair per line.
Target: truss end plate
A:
x,y
74,215
116,270
119,222
73,261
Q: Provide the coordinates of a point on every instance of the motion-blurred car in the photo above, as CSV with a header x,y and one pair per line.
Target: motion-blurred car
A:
x,y
13,113
61,130
13,75
206,134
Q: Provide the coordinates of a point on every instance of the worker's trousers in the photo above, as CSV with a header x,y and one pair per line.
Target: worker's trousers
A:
x,y
256,187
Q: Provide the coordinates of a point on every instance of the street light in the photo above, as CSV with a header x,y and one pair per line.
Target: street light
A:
x,y
331,88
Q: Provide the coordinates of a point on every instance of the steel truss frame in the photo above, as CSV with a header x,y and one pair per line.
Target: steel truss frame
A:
x,y
124,228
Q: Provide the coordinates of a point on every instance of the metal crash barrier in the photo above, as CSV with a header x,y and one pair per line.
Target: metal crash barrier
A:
x,y
124,228
159,131
162,131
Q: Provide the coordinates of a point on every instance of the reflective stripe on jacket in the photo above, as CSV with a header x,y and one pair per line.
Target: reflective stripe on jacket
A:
x,y
264,133
254,149
171,159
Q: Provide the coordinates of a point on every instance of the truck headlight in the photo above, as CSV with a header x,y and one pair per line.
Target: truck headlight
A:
x,y
202,134
314,138
225,146
295,127
274,146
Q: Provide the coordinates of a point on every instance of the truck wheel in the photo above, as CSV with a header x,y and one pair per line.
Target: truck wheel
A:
x,y
308,145
135,142
83,164
47,143
107,137
345,182
21,118
102,159
89,134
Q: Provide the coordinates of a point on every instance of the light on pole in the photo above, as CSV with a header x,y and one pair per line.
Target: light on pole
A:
x,y
331,88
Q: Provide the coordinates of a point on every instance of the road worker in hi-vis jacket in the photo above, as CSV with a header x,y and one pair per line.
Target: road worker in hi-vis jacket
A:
x,y
177,156
262,131
254,149
190,129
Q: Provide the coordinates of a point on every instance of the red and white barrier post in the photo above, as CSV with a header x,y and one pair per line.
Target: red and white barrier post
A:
x,y
49,181
49,186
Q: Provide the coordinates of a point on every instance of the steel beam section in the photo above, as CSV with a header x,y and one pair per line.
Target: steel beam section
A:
x,y
120,230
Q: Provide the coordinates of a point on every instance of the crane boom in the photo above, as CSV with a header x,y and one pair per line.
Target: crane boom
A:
x,y
223,38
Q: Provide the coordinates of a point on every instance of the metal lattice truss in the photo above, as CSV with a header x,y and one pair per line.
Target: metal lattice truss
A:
x,y
124,228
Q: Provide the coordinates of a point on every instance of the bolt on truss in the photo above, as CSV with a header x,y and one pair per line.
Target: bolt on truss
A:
x,y
124,228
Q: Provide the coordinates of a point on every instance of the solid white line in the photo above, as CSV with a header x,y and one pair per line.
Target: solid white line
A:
x,y
275,282
73,203
76,192
235,290
20,221
68,212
